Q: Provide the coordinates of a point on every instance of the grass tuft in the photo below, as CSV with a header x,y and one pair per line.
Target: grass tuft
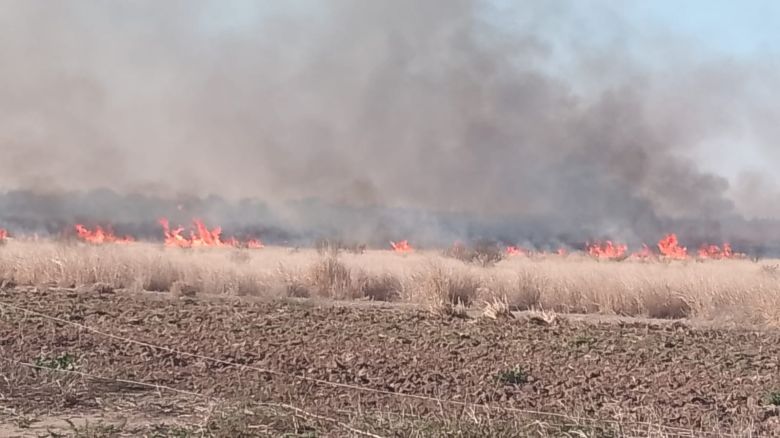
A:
x,y
330,278
497,308
62,362
92,430
514,376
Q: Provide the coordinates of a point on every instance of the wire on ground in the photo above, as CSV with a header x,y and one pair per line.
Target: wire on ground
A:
x,y
656,427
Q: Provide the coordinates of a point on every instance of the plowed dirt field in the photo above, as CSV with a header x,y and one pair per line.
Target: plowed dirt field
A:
x,y
149,365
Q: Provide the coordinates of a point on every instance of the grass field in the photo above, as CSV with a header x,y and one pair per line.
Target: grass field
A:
x,y
143,340
727,291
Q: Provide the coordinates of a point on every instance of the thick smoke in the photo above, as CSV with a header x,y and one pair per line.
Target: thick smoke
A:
x,y
355,117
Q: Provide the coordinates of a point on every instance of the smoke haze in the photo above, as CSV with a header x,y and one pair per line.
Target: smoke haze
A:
x,y
373,118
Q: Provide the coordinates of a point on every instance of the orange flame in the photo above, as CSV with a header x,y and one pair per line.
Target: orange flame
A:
x,y
643,254
201,236
607,250
99,235
3,234
254,244
670,248
402,246
718,253
516,251
173,237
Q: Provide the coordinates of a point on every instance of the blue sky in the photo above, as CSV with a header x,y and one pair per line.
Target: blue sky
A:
x,y
730,27
725,26
653,33
726,29
657,34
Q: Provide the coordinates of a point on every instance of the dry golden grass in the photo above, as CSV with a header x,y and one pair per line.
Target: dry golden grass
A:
x,y
732,290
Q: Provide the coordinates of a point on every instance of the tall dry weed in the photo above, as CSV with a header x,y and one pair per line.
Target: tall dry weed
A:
x,y
497,307
329,278
733,290
444,290
379,287
529,292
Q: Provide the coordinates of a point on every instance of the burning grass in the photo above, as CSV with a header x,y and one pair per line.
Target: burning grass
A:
x,y
734,290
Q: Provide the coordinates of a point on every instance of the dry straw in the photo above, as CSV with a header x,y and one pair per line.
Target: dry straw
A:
x,y
738,291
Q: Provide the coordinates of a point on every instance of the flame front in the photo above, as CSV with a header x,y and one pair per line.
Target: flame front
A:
x,y
173,237
718,253
254,244
99,235
516,251
643,254
670,248
201,236
402,246
607,250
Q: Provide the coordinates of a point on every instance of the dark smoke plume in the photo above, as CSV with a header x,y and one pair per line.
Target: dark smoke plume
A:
x,y
373,119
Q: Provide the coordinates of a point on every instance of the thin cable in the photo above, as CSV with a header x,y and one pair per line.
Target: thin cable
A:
x,y
298,411
111,379
355,387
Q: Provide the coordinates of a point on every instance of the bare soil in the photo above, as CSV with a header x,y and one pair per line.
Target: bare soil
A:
x,y
591,373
